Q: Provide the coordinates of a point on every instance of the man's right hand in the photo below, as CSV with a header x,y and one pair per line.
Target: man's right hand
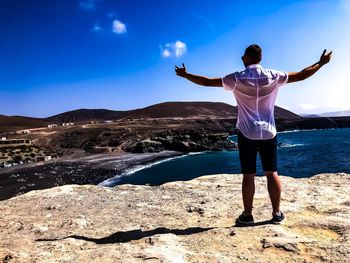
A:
x,y
181,71
325,58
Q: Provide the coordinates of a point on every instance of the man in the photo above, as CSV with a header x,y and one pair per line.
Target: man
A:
x,y
255,90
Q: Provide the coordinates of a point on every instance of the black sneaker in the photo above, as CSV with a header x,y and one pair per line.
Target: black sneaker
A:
x,y
245,220
277,219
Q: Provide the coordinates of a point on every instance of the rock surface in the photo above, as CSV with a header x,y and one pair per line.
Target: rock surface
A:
x,y
189,221
182,141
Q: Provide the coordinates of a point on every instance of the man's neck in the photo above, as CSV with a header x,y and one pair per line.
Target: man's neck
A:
x,y
257,65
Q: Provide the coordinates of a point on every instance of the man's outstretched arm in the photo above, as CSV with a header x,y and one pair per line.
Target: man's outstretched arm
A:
x,y
200,80
309,71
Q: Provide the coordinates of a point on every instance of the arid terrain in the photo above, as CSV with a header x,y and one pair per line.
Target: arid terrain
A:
x,y
76,146
192,221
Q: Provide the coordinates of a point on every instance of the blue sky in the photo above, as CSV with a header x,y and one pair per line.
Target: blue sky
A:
x,y
60,55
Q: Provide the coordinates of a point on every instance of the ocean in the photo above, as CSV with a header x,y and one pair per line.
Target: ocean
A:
x,y
300,154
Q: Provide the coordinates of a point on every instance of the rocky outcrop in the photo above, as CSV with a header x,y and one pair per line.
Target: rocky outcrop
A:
x,y
189,221
145,146
312,123
142,135
182,141
190,135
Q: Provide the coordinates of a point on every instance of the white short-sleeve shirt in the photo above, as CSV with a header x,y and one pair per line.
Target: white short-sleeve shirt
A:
x,y
255,90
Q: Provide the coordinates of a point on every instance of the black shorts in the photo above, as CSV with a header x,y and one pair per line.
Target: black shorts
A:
x,y
248,150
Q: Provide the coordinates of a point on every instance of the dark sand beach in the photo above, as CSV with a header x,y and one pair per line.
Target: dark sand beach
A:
x,y
85,169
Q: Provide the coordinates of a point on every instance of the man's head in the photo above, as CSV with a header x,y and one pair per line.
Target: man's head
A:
x,y
252,55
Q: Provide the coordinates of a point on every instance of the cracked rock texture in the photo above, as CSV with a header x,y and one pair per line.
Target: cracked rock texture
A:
x,y
192,221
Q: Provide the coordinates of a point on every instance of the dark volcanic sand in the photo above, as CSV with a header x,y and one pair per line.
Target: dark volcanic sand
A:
x,y
91,169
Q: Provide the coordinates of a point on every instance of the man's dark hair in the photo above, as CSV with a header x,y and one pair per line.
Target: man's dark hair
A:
x,y
254,52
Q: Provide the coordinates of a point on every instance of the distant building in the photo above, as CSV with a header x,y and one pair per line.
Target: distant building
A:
x,y
47,158
3,138
67,123
93,122
108,121
23,132
52,125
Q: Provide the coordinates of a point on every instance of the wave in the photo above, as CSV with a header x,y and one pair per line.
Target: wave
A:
x,y
288,145
114,180
141,167
289,131
301,130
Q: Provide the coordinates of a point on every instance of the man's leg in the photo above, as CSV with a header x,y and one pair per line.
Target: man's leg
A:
x,y
247,155
274,186
268,154
248,190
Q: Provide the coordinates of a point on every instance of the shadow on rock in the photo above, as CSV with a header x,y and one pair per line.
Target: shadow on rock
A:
x,y
126,236
261,223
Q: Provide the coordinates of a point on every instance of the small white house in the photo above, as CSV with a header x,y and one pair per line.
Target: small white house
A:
x,y
52,125
3,138
23,132
67,123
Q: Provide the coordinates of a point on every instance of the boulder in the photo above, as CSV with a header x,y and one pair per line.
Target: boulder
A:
x,y
145,146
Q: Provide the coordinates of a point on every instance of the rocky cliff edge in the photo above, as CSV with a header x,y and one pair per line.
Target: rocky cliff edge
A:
x,y
192,221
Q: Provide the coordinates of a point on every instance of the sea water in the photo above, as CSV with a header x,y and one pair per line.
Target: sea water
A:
x,y
300,154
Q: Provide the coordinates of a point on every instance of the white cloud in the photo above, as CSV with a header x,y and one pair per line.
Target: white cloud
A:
x,y
176,49
119,27
88,4
166,53
96,28
111,15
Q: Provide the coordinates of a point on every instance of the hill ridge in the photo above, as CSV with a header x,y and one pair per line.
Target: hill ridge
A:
x,y
172,109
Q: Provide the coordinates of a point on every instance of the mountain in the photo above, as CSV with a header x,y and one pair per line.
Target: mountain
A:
x,y
161,110
286,114
196,109
85,115
310,115
19,122
328,114
336,114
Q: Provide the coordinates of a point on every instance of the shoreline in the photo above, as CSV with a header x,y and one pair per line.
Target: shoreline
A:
x,y
113,181
87,169
82,168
